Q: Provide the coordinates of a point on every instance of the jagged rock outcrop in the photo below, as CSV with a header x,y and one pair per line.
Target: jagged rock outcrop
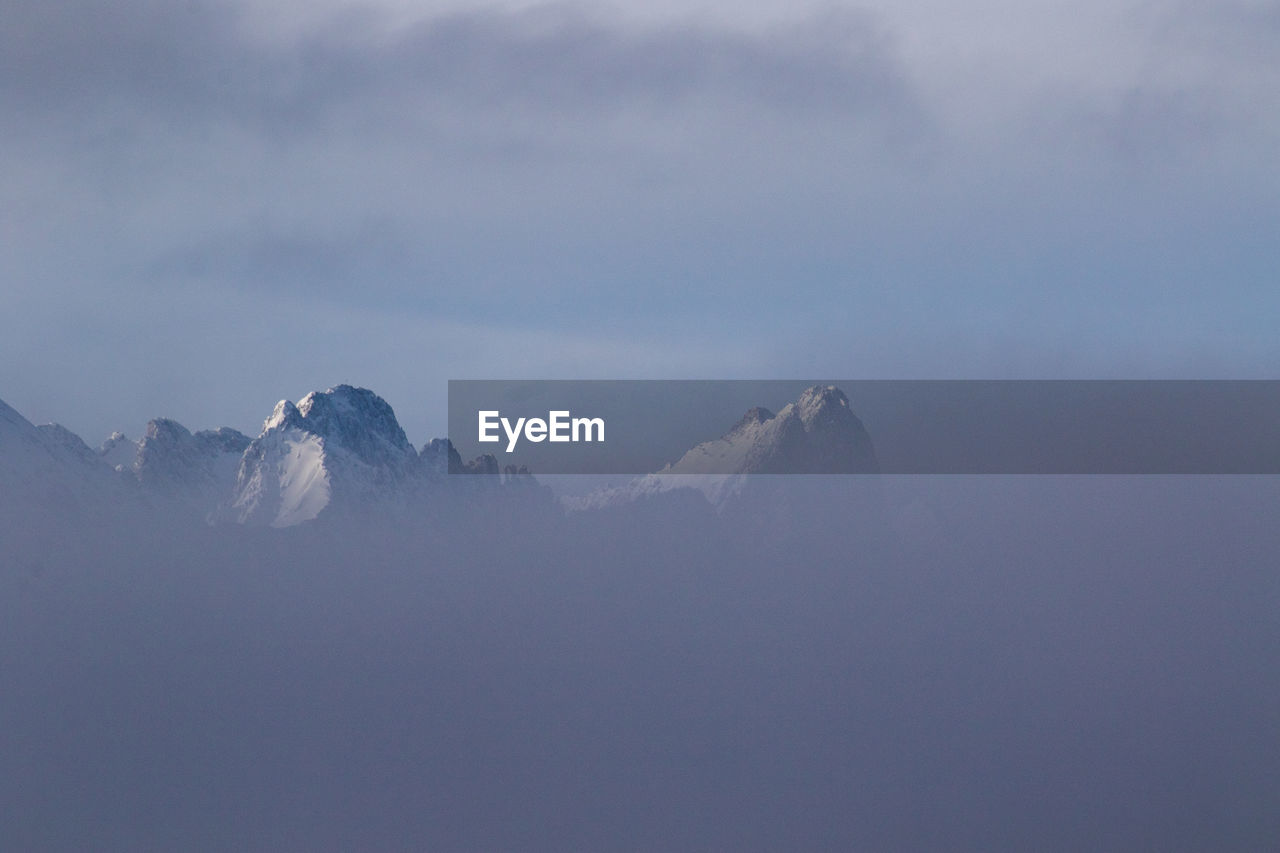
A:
x,y
190,472
119,451
439,458
337,448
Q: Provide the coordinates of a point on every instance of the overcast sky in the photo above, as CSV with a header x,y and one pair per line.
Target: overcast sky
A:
x,y
208,206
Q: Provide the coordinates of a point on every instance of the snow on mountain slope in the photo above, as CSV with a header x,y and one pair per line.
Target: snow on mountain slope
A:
x,y
29,452
47,468
64,443
224,447
282,479
816,434
24,453
340,447
337,449
119,451
190,472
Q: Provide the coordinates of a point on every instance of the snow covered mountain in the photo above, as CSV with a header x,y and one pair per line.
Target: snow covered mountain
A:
x,y
119,451
169,454
48,469
342,452
337,448
339,452
817,434
187,471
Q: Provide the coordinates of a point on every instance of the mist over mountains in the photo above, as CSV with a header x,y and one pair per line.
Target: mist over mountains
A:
x,y
364,651
341,452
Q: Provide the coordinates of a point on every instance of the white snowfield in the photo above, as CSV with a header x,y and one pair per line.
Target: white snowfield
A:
x,y
286,484
304,480
343,444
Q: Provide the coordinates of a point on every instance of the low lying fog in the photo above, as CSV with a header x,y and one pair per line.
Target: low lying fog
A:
x,y
1088,663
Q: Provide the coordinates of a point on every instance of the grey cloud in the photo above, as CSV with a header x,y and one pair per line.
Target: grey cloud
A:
x,y
195,61
296,262
1211,69
683,200
1238,31
837,63
63,54
1141,128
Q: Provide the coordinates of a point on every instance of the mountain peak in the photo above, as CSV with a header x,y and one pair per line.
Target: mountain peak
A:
x,y
818,403
816,434
166,430
51,468
190,472
754,417
285,414
225,439
119,451
56,435
439,457
343,444
359,420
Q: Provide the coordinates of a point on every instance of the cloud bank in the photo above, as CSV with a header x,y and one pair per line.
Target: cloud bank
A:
x,y
201,204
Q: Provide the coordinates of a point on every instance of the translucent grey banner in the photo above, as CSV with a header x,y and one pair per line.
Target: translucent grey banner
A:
x,y
867,426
